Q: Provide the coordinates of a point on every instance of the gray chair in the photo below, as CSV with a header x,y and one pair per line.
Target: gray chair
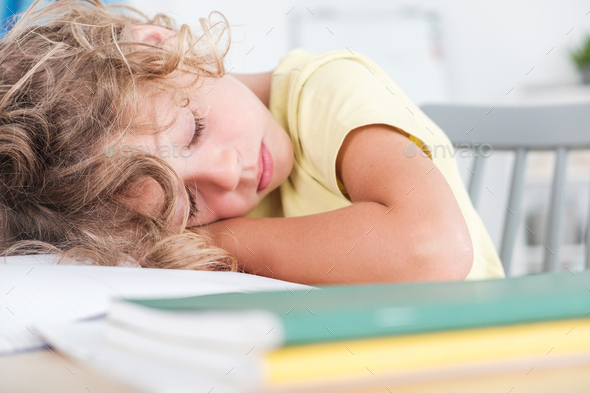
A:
x,y
521,129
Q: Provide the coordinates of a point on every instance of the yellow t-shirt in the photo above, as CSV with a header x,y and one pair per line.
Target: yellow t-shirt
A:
x,y
318,99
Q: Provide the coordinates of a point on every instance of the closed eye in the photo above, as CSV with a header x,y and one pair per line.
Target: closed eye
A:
x,y
193,204
199,128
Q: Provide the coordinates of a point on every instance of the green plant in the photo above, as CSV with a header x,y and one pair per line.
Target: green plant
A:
x,y
581,56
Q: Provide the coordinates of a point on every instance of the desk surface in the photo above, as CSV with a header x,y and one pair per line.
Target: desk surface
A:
x,y
49,372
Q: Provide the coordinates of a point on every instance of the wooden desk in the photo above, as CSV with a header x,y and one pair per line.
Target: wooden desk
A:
x,y
47,372
50,372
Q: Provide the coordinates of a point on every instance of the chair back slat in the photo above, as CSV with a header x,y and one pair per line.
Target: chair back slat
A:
x,y
557,127
476,179
588,239
513,211
507,128
555,217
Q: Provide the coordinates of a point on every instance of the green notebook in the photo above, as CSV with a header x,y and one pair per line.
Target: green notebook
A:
x,y
274,319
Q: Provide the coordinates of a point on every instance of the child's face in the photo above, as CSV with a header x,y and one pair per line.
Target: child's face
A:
x,y
223,168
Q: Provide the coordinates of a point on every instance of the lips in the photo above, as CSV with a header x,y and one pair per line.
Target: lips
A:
x,y
267,167
260,166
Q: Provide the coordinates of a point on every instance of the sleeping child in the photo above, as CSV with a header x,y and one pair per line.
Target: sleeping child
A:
x,y
124,139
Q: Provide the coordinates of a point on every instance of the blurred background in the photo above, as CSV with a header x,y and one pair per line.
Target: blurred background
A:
x,y
497,53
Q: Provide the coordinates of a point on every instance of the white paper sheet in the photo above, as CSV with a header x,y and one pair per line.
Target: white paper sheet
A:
x,y
84,341
42,292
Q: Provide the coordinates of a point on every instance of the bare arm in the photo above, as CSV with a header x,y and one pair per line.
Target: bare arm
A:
x,y
404,224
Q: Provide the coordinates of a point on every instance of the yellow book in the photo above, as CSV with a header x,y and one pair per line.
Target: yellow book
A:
x,y
347,364
366,357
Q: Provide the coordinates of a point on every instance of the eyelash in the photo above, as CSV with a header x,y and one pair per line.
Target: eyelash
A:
x,y
192,211
199,128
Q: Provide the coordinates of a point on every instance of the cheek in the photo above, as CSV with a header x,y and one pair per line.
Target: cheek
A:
x,y
224,124
235,112
229,206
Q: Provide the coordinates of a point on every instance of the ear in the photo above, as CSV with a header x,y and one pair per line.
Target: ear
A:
x,y
153,35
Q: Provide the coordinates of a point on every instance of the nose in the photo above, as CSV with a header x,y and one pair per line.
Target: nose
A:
x,y
221,170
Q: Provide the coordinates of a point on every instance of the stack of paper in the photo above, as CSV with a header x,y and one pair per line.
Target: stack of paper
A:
x,y
34,291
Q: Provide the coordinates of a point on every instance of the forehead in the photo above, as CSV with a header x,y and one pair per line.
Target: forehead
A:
x,y
159,109
155,111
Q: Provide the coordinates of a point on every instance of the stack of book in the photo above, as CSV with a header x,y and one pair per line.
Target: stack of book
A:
x,y
347,337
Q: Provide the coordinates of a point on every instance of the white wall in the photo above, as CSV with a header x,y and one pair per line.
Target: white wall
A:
x,y
488,47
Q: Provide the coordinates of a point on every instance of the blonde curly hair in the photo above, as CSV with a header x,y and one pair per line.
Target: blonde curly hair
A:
x,y
64,68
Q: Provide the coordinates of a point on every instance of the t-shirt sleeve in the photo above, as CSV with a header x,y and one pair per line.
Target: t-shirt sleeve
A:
x,y
341,95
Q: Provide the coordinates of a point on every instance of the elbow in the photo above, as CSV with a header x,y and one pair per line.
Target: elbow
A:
x,y
461,258
447,256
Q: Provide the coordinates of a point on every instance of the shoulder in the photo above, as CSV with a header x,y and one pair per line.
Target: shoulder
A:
x,y
304,64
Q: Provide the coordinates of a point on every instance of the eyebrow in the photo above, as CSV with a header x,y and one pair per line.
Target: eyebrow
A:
x,y
167,131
